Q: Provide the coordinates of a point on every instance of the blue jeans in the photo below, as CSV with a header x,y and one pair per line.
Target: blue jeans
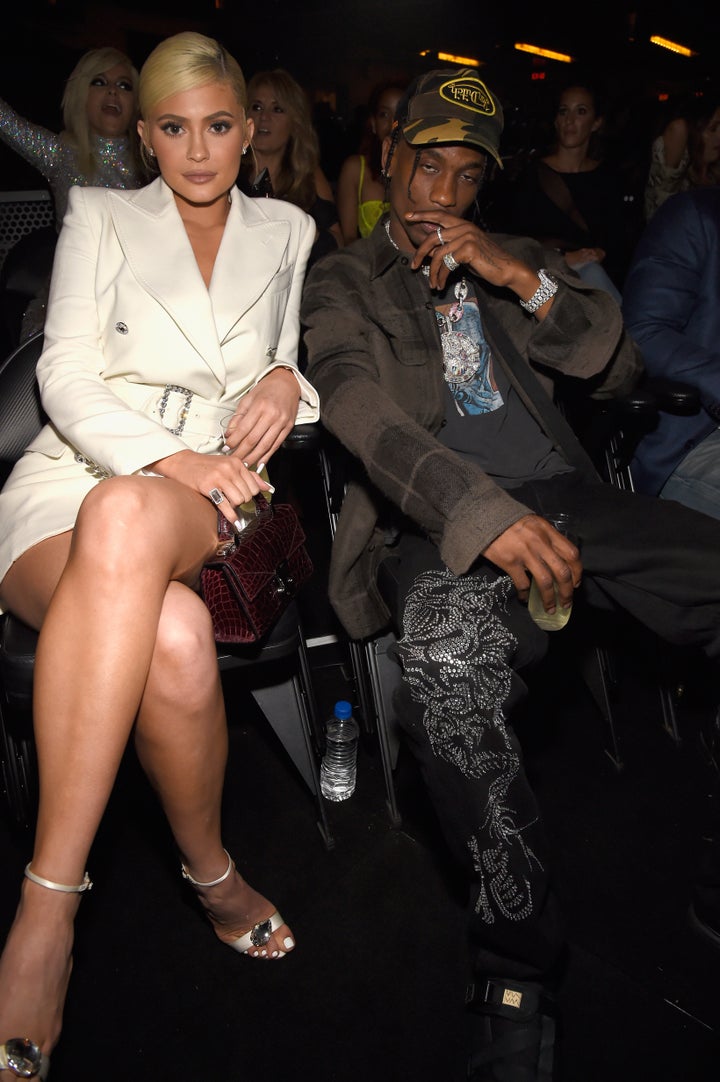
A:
x,y
594,274
696,481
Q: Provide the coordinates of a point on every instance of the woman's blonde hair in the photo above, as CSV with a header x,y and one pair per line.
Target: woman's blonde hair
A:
x,y
296,179
183,62
74,103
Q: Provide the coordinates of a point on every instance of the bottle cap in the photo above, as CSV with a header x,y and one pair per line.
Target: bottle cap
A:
x,y
343,709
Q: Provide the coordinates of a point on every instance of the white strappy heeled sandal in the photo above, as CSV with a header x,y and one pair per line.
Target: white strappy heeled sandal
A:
x,y
260,933
19,1054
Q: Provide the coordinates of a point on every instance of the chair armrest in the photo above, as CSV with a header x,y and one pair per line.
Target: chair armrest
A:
x,y
305,437
672,396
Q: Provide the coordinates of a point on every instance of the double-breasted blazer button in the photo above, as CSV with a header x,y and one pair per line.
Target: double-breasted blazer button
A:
x,y
121,327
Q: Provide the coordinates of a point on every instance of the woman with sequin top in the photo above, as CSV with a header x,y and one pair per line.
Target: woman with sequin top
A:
x,y
95,146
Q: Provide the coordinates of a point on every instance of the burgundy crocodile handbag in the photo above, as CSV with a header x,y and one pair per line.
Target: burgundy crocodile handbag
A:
x,y
248,587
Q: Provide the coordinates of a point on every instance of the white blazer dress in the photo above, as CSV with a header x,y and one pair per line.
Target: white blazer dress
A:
x,y
135,343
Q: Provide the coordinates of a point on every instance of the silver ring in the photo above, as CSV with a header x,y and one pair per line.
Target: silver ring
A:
x,y
450,261
439,235
216,496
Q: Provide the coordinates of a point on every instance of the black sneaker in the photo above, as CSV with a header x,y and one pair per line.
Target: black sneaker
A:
x,y
513,1031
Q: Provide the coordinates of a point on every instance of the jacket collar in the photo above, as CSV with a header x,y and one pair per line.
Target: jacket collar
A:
x,y
159,254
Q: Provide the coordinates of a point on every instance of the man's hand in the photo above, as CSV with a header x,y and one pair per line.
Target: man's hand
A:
x,y
532,546
473,248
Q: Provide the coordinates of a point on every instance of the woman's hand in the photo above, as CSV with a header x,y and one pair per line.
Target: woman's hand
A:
x,y
261,422
263,418
230,481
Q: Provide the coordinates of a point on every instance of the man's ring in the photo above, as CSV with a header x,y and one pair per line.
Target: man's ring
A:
x,y
216,496
439,235
450,261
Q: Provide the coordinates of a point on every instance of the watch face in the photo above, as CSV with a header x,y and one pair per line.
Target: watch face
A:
x,y
23,1057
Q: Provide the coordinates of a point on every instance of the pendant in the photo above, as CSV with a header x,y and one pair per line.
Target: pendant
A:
x,y
461,357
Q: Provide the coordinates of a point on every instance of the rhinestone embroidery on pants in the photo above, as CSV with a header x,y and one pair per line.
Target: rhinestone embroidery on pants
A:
x,y
455,654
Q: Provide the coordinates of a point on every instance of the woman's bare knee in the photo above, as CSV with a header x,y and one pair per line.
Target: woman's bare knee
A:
x,y
145,522
184,664
114,515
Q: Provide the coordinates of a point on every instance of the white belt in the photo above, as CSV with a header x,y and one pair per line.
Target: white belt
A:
x,y
177,408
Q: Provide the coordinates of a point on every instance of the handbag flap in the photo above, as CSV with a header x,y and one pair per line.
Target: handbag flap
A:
x,y
267,543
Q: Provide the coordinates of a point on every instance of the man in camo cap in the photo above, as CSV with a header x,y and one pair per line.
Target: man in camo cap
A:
x,y
453,107
428,342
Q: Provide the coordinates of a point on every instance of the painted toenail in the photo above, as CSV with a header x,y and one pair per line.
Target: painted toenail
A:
x,y
274,954
288,942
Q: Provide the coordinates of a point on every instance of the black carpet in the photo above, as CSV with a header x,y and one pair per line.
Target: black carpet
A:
x,y
374,989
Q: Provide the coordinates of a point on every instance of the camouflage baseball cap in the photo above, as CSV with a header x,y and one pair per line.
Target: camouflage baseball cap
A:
x,y
452,106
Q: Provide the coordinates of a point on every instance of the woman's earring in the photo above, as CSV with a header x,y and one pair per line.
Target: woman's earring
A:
x,y
244,149
151,152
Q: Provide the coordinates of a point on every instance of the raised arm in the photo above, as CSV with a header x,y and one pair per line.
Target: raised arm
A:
x,y
37,145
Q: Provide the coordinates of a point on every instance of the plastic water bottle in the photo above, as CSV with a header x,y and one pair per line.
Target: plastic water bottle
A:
x,y
338,770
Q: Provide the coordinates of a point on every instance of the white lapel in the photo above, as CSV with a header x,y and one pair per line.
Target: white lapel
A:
x,y
253,248
159,254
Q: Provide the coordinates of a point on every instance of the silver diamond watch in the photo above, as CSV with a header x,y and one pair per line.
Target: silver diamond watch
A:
x,y
548,288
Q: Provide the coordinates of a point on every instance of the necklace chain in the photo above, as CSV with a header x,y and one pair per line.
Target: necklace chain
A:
x,y
461,355
425,270
387,230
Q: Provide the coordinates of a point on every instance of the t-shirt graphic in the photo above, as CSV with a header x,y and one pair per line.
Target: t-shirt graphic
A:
x,y
467,360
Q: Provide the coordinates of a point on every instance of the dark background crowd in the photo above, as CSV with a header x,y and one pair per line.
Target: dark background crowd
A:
x,y
339,52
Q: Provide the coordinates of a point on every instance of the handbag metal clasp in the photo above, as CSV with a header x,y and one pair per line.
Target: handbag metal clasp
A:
x,y
284,582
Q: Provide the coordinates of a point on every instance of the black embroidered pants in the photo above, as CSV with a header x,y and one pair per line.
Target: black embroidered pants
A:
x,y
465,643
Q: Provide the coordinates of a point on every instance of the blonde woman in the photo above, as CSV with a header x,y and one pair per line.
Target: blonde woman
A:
x,y
169,373
285,158
98,144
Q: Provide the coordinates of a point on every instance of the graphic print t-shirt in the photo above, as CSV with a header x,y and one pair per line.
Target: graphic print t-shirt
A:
x,y
485,418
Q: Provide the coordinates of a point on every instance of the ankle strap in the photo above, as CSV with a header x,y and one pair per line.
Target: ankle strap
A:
x,y
85,885
215,882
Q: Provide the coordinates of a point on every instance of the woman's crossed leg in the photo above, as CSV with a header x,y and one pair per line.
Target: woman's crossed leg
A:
x,y
125,646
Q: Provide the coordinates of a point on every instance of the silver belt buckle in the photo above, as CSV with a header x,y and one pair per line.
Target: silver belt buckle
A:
x,y
172,388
